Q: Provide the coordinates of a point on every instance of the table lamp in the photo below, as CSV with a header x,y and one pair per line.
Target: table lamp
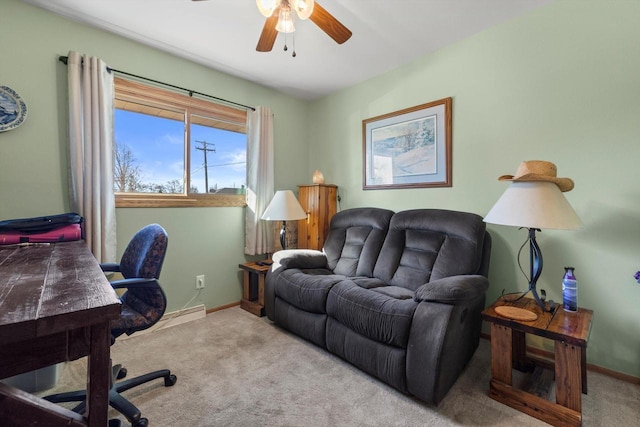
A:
x,y
284,207
534,201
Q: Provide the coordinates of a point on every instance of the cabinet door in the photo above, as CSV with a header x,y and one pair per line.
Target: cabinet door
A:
x,y
319,201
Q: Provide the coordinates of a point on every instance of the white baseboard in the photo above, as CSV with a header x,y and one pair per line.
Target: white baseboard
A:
x,y
172,319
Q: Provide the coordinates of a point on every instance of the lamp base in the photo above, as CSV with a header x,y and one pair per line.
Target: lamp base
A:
x,y
516,313
283,235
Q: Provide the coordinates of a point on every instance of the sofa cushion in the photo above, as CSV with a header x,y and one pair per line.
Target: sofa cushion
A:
x,y
354,240
306,290
378,285
382,361
379,316
454,289
429,244
368,282
310,326
395,292
300,258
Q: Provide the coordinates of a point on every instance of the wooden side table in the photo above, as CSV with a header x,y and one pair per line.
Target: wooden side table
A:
x,y
253,287
569,331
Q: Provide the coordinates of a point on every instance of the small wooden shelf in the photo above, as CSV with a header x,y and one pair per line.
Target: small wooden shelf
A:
x,y
253,287
570,331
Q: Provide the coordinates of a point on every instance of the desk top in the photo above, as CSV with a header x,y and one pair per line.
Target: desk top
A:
x,y
46,289
561,325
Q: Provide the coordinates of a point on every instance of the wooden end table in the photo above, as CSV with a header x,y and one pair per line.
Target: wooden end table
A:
x,y
570,333
253,287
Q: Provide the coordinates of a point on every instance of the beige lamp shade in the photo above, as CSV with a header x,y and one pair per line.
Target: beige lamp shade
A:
x,y
538,205
284,207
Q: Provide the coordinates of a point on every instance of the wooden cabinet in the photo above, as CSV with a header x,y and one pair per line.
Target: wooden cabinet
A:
x,y
319,202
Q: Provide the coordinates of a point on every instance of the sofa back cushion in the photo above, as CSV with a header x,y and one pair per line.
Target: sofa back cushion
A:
x,y
429,244
354,240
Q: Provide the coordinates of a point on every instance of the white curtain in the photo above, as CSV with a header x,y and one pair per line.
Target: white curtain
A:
x,y
91,152
259,237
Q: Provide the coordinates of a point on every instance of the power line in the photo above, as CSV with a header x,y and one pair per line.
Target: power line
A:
x,y
227,164
193,171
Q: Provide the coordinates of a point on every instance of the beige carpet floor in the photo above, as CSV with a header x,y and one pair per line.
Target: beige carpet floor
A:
x,y
235,369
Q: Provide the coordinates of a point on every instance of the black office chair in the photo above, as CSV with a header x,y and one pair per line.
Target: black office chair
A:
x,y
143,304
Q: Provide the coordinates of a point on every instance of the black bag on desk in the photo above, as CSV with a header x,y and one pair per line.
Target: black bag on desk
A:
x,y
40,224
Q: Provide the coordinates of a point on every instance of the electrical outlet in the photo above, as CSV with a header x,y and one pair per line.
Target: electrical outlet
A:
x,y
200,282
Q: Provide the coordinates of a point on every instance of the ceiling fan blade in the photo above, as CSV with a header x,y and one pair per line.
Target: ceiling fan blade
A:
x,y
329,24
269,34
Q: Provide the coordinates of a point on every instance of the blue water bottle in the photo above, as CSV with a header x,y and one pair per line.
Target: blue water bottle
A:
x,y
569,290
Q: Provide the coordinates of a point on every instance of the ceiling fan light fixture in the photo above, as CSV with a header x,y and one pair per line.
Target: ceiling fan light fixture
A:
x,y
285,22
303,8
266,7
280,19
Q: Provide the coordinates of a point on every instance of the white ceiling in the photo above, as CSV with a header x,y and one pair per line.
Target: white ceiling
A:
x,y
222,34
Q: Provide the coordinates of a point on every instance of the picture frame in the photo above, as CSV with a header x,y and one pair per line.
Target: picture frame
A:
x,y
409,148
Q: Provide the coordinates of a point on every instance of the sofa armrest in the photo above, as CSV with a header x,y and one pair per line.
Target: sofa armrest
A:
x,y
450,290
285,260
299,258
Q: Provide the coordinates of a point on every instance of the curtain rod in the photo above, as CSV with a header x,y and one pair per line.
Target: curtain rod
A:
x,y
64,60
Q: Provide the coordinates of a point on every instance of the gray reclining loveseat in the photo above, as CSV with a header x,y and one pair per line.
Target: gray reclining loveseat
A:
x,y
398,295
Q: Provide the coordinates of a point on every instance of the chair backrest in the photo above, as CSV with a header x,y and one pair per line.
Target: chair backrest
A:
x,y
145,253
143,305
354,240
429,244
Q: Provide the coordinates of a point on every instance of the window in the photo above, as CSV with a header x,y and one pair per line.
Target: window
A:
x,y
174,150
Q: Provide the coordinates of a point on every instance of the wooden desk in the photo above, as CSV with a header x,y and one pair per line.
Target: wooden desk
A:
x,y
55,305
253,287
570,331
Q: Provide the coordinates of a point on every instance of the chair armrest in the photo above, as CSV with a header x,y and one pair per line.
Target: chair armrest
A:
x,y
135,282
451,290
300,258
110,266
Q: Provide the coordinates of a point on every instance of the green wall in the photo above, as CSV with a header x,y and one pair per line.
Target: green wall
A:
x,y
560,83
33,157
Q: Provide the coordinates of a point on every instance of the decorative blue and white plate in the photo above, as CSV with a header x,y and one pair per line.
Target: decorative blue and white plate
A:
x,y
13,110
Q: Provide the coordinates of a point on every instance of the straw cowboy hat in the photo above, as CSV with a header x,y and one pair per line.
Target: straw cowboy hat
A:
x,y
539,170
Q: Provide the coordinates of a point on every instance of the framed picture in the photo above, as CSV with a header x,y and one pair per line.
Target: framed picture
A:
x,y
408,148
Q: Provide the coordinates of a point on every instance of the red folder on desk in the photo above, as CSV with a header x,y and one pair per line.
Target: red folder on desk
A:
x,y
63,234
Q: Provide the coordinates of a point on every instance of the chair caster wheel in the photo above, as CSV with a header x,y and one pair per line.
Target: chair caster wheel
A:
x,y
142,422
170,380
121,373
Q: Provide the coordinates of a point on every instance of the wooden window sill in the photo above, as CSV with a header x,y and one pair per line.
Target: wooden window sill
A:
x,y
140,200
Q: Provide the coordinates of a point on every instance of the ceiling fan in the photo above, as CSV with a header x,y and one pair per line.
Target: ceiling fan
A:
x,y
280,19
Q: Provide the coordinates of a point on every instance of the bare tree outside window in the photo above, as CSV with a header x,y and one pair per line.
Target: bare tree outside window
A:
x,y
126,173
